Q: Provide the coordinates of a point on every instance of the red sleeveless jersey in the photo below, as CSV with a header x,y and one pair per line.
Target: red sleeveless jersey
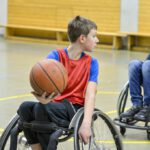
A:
x,y
78,77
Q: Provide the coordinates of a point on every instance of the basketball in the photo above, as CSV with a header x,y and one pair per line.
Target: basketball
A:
x,y
49,76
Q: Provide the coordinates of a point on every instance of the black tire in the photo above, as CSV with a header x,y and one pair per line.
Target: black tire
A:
x,y
122,99
100,141
5,135
148,134
122,130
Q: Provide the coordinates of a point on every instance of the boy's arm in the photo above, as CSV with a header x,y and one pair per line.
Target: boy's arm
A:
x,y
85,129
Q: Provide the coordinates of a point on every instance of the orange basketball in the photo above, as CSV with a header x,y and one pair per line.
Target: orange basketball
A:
x,y
49,76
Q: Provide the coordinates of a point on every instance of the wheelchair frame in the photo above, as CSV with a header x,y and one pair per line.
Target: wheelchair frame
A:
x,y
67,133
121,104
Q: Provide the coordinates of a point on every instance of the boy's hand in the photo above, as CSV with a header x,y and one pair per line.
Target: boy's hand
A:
x,y
44,98
84,133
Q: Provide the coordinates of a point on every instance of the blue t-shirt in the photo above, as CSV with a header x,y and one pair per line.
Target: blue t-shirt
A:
x,y
94,70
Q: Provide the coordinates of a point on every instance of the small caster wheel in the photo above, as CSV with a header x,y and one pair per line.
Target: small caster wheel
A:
x,y
148,134
122,130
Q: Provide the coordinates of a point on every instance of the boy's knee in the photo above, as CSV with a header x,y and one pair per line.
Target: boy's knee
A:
x,y
25,110
135,65
23,107
146,66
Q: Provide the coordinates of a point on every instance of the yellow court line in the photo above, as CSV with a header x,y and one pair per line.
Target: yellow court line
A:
x,y
29,95
1,130
110,142
15,97
108,93
136,142
111,112
123,141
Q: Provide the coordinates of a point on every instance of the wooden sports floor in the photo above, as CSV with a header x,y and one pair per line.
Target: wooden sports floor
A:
x,y
17,58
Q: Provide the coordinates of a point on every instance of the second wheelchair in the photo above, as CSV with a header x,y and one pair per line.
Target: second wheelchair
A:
x,y
129,123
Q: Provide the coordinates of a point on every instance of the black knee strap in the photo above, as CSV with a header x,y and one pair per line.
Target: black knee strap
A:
x,y
41,127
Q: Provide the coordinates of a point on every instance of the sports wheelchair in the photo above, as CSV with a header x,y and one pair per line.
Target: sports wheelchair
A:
x,y
104,134
129,123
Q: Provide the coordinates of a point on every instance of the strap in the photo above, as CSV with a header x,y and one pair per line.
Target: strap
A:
x,y
39,126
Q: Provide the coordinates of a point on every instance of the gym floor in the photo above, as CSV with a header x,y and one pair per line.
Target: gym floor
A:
x,y
17,58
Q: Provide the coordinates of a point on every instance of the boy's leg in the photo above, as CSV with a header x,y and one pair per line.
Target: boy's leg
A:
x,y
51,112
135,82
25,112
41,115
146,88
36,147
146,82
58,109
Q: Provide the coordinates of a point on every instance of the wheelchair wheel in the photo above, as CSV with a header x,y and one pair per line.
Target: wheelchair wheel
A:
x,y
5,135
104,134
122,99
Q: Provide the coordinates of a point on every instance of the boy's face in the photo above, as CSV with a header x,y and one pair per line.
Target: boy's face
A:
x,y
91,41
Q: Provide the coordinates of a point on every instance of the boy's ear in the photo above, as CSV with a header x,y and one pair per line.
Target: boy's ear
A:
x,y
82,38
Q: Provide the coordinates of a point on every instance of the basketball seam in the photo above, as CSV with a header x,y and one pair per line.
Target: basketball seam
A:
x,y
36,82
49,77
62,75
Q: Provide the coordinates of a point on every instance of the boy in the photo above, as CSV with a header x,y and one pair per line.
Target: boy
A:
x,y
81,88
139,75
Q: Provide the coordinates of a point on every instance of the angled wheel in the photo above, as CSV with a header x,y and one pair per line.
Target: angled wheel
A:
x,y
104,134
122,99
4,139
19,142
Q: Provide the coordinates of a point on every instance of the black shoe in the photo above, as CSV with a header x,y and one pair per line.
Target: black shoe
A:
x,y
131,112
143,115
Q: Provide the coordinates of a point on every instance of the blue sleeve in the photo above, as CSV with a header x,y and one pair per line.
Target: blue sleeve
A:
x,y
94,70
53,55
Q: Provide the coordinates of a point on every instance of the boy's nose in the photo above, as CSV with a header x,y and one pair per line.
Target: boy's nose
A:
x,y
97,40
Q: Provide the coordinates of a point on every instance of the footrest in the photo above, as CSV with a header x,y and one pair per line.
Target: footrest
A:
x,y
121,124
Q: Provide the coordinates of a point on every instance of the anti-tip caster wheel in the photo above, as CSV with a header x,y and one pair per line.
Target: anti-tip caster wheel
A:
x,y
122,130
148,134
